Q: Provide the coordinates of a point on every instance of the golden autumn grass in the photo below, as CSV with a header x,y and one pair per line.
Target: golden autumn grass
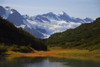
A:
x,y
58,52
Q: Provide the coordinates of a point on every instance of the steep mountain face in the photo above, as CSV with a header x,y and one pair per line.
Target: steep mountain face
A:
x,y
51,15
33,32
85,36
2,11
18,20
42,26
64,16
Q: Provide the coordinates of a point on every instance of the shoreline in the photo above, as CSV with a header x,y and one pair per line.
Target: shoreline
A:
x,y
60,53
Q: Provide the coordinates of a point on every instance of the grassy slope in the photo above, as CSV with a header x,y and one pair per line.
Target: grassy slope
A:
x,y
86,36
10,36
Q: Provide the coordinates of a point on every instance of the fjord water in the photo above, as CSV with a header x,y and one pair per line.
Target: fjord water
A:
x,y
46,62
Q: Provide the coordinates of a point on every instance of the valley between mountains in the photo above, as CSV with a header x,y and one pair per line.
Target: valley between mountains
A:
x,y
48,35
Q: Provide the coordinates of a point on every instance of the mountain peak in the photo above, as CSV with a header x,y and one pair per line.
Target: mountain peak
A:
x,y
88,19
62,13
50,13
7,7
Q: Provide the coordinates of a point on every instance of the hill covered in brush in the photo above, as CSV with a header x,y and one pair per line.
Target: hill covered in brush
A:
x,y
12,36
86,36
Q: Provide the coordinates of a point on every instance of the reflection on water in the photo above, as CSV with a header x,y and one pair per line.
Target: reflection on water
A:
x,y
45,62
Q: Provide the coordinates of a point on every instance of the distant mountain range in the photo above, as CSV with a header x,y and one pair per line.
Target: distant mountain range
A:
x,y
42,26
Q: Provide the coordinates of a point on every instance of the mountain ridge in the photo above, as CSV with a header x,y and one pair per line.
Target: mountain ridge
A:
x,y
49,22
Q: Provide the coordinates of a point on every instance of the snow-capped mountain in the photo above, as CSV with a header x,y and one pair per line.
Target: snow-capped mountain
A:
x,y
42,26
19,21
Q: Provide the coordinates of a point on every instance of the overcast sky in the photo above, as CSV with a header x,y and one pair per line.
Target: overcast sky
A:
x,y
74,8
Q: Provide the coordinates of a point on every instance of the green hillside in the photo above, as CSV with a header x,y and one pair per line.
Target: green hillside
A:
x,y
86,36
12,36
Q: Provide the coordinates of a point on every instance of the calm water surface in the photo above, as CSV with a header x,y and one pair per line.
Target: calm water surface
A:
x,y
46,62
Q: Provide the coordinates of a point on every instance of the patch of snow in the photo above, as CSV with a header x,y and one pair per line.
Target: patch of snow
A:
x,y
28,24
61,13
45,35
11,12
22,26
